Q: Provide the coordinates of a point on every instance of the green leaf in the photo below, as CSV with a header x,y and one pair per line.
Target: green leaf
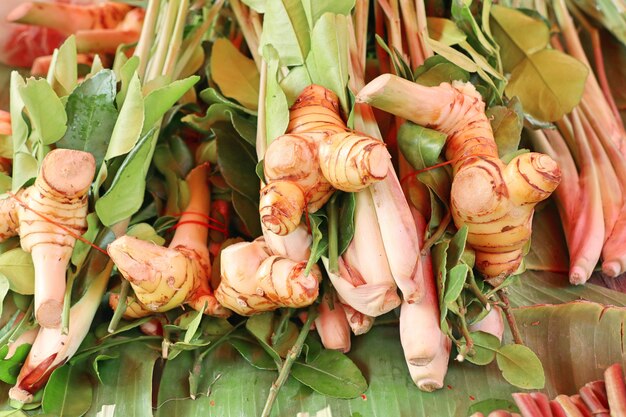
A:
x,y
127,383
81,249
25,168
130,121
159,101
331,373
521,367
329,51
347,207
444,31
193,326
314,9
10,368
235,75
66,66
556,78
95,364
507,123
464,18
67,393
261,326
457,247
91,115
296,80
118,204
4,289
517,34
253,353
17,266
439,254
485,347
13,413
286,28
237,162
211,96
248,211
127,71
455,282
437,70
487,406
45,110
276,107
219,112
146,232
319,244
256,5
608,14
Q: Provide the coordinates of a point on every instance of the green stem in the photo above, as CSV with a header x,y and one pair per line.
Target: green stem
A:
x,y
120,309
333,238
292,355
517,337
473,286
468,349
282,325
13,334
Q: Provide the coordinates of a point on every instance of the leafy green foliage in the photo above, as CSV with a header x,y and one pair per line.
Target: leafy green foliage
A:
x,y
68,392
45,111
17,266
520,366
10,368
91,115
236,76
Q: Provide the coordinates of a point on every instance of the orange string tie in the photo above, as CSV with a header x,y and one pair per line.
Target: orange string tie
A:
x,y
197,213
60,226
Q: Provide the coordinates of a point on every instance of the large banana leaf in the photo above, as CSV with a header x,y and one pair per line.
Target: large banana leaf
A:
x,y
575,342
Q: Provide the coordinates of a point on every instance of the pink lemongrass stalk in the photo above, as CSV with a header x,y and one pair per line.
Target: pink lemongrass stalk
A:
x,y
579,202
580,404
365,281
543,402
597,407
28,337
527,405
332,325
359,322
295,246
52,348
164,278
430,377
568,408
615,390
492,323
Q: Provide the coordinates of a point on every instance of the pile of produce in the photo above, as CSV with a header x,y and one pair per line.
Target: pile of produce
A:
x,y
251,207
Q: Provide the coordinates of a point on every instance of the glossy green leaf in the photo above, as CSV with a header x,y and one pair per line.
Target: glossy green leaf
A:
x,y
517,34
331,373
456,247
81,249
118,204
439,259
319,234
329,51
45,110
146,232
68,392
487,406
549,84
253,353
236,75
130,121
218,112
437,70
237,162
455,282
95,364
91,115
261,327
294,82
17,266
286,28
256,5
126,72
507,123
485,347
25,168
463,16
520,366
211,96
347,207
160,100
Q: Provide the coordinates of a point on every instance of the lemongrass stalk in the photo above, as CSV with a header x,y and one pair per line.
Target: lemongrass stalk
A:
x,y
147,34
359,323
27,337
527,405
120,307
580,404
430,377
409,18
568,407
103,40
616,390
332,325
593,402
261,132
164,40
543,403
492,323
177,38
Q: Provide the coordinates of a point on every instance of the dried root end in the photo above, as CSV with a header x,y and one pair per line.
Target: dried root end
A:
x,y
68,172
49,314
21,395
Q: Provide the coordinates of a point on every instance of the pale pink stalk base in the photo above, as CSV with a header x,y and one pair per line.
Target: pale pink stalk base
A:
x,y
333,327
50,261
492,323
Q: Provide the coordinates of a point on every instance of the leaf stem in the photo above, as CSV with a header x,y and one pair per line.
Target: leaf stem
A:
x,y
468,348
473,286
292,355
506,307
333,238
67,300
120,309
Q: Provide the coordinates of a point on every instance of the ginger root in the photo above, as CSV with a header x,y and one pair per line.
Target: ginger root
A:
x,y
316,156
255,280
164,278
60,195
496,201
